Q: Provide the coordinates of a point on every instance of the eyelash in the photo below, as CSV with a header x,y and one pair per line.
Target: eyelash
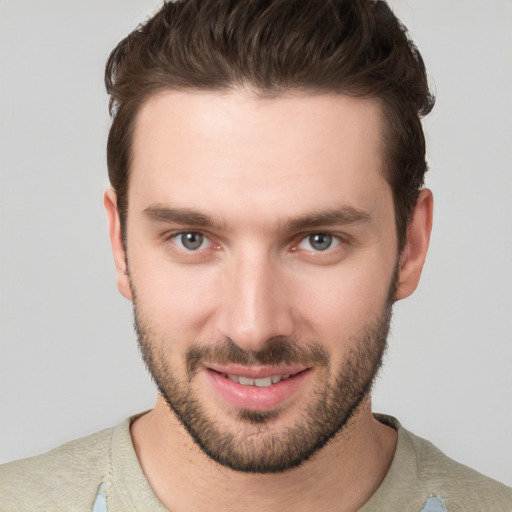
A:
x,y
174,236
334,238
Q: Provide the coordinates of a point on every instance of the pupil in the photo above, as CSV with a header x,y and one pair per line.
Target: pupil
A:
x,y
192,240
320,241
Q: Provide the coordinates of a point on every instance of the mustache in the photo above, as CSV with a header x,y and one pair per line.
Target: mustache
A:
x,y
279,350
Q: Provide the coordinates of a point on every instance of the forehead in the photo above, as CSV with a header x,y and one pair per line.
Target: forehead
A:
x,y
242,151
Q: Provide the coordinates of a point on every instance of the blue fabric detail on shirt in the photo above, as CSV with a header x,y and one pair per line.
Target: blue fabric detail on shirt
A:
x,y
434,504
100,503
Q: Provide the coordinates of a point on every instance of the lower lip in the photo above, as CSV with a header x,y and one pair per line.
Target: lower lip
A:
x,y
255,398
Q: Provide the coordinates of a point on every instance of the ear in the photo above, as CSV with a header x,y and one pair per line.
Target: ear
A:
x,y
116,239
414,252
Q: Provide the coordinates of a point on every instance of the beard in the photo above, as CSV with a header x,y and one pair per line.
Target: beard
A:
x,y
253,445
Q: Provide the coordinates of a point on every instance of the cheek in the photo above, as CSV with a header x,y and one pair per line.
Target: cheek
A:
x,y
340,304
174,301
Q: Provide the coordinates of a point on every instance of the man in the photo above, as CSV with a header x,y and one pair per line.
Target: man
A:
x,y
266,210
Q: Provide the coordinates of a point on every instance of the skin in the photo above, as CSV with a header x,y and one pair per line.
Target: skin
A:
x,y
257,168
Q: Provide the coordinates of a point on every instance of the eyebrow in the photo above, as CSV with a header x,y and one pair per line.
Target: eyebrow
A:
x,y
336,217
181,216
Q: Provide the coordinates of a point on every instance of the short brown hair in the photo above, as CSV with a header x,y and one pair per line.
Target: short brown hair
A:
x,y
353,47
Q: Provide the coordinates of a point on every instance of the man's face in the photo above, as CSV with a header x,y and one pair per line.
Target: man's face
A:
x,y
262,261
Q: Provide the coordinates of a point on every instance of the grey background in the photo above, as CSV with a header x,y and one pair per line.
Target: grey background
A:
x,y
68,359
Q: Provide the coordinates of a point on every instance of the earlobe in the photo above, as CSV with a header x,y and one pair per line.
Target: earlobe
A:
x,y
414,252
116,240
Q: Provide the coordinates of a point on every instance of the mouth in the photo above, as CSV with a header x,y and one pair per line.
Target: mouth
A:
x,y
257,388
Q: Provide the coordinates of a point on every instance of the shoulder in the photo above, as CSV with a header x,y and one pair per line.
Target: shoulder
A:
x,y
422,478
462,488
66,478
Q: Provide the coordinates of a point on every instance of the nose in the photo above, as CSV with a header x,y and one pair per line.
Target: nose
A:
x,y
255,303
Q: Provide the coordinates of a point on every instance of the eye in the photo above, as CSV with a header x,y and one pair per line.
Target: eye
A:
x,y
191,240
319,242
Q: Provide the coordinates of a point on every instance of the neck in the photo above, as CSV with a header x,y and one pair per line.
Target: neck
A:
x,y
342,476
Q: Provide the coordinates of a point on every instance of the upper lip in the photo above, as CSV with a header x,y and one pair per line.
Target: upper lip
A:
x,y
256,372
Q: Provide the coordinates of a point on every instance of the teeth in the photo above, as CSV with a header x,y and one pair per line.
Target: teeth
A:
x,y
264,382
